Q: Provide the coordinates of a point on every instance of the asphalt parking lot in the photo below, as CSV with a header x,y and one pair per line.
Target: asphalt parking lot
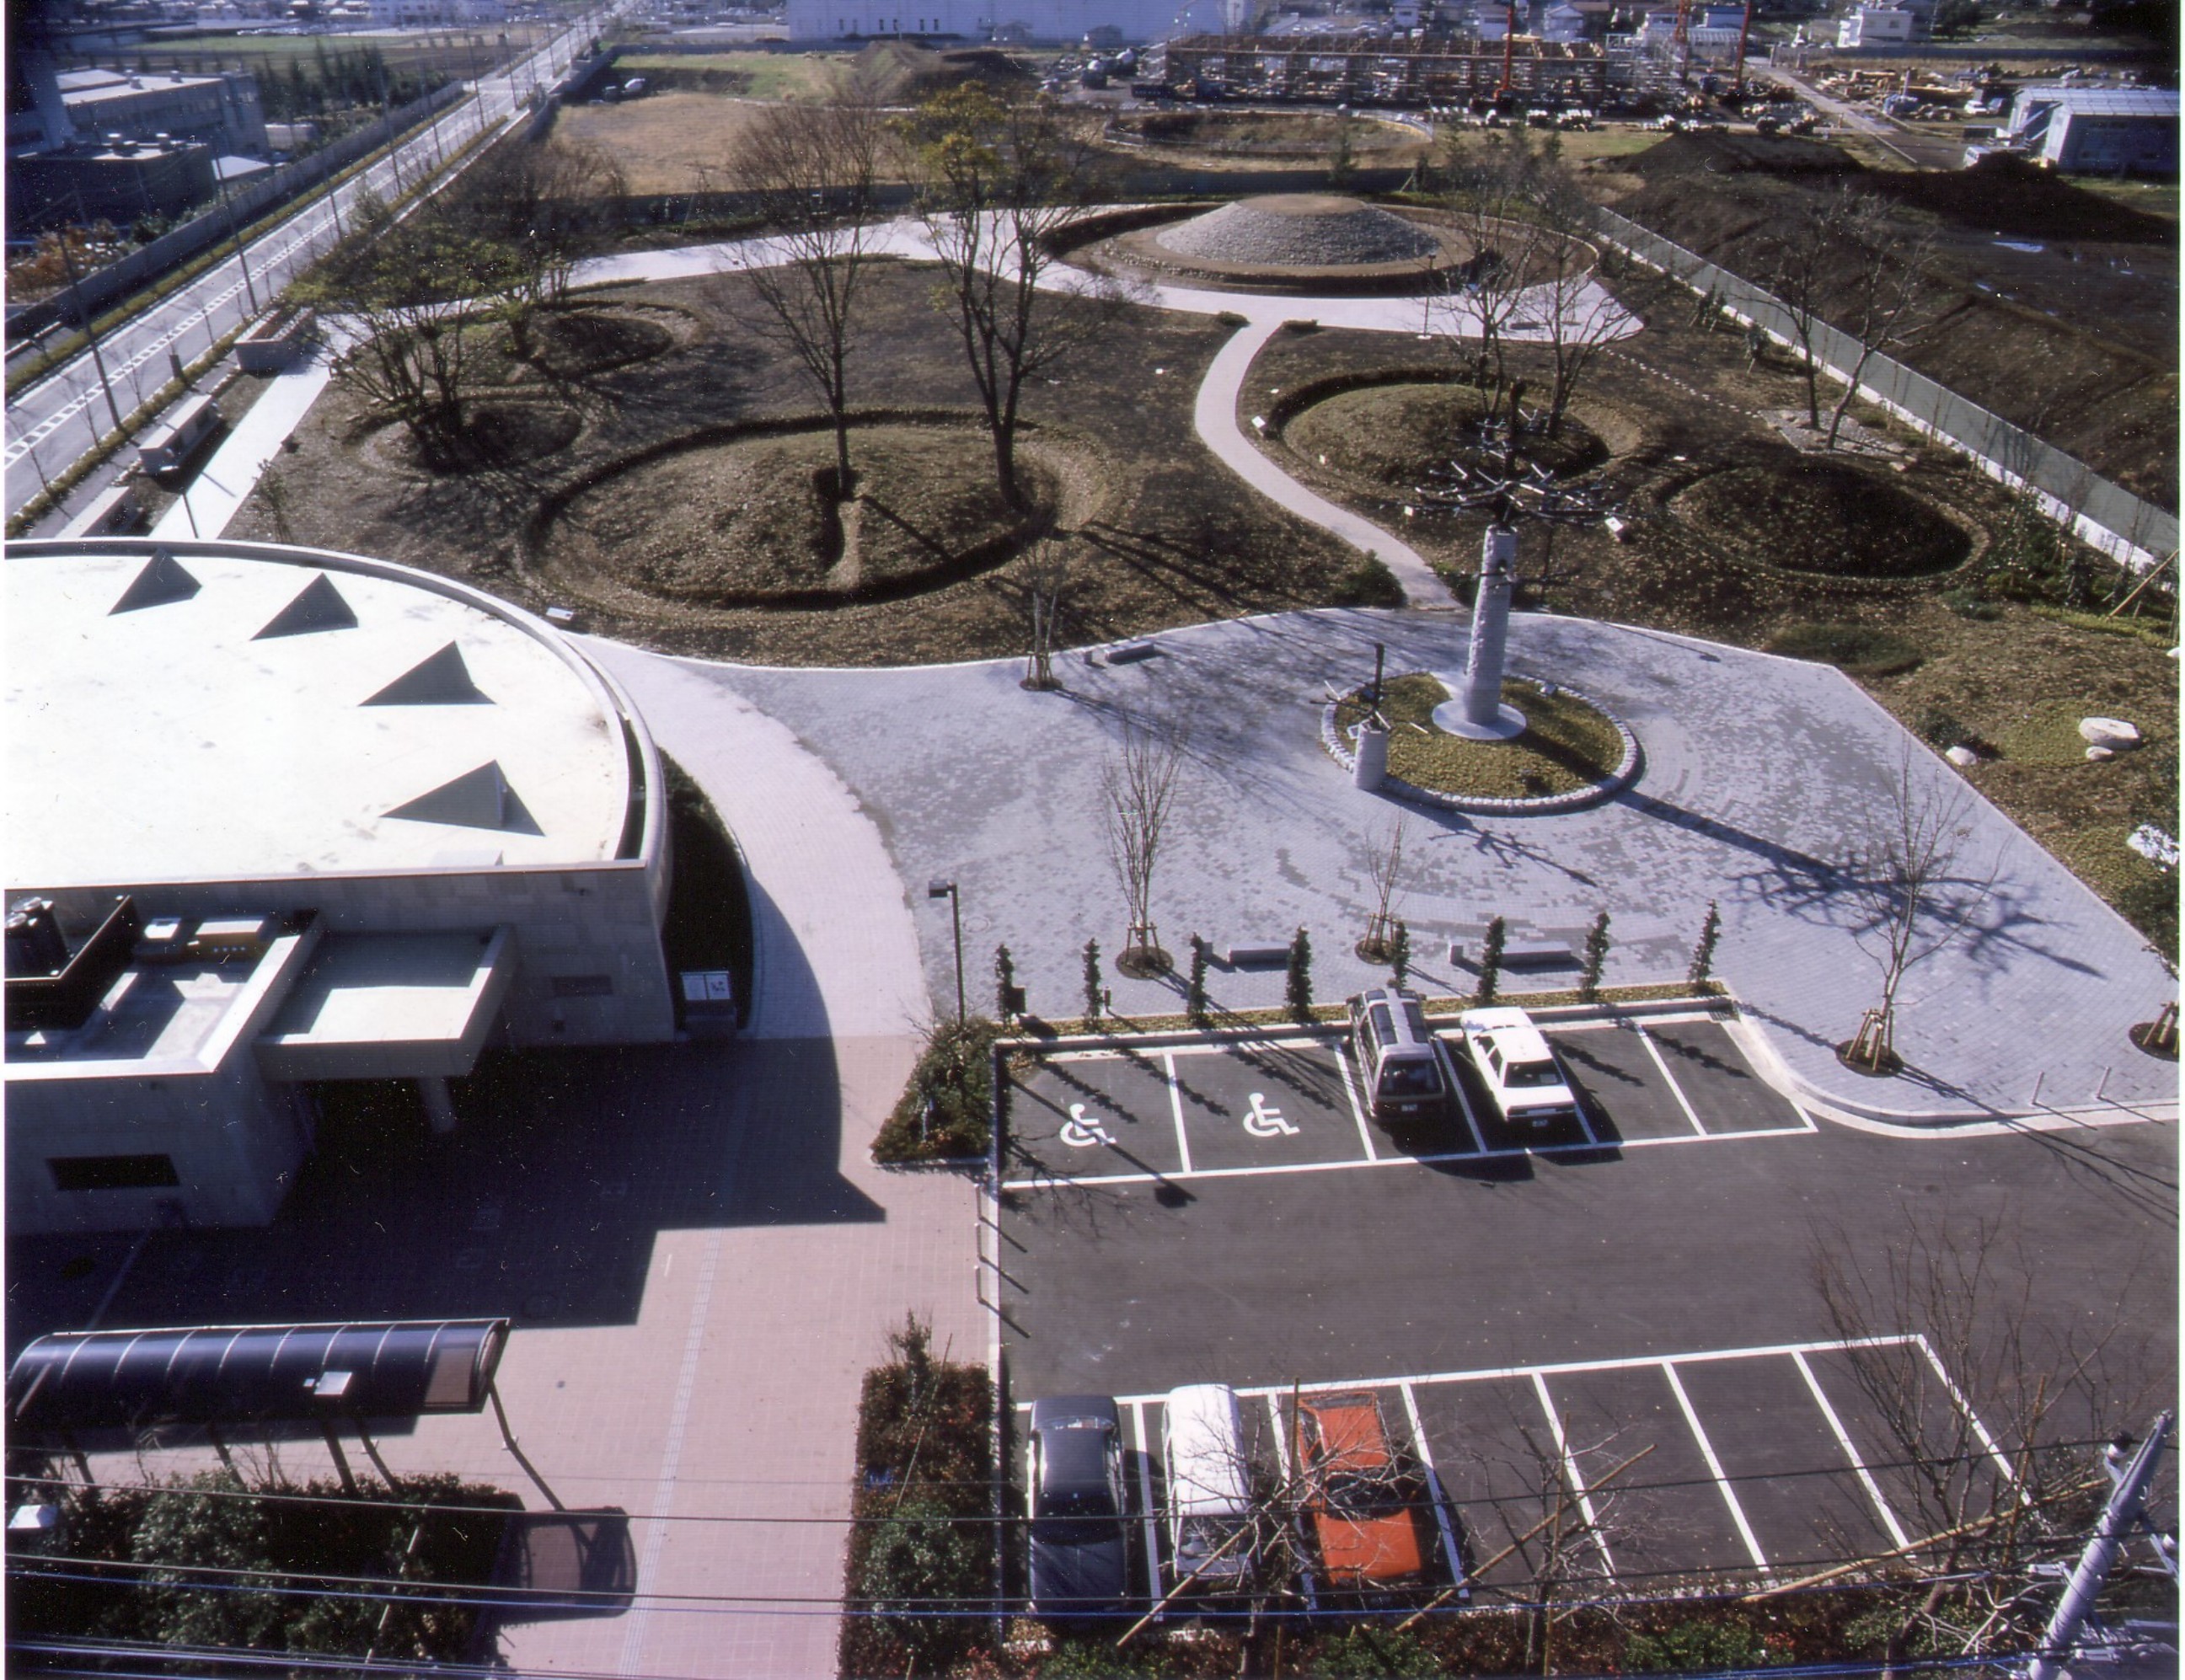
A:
x,y
1531,1312
1293,1105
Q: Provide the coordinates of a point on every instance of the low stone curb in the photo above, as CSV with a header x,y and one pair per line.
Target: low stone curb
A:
x,y
1338,746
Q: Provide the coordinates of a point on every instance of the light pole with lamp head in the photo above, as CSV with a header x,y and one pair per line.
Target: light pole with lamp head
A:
x,y
948,890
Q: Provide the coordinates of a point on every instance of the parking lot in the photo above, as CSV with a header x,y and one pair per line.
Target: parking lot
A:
x,y
1766,1462
1294,1105
1616,1322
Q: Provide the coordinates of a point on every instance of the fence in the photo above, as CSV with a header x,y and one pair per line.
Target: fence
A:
x,y
147,263
2105,515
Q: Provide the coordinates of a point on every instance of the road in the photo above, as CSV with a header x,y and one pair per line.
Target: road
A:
x,y
53,422
1917,150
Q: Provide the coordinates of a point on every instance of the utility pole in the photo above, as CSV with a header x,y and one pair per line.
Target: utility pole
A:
x,y
2124,1510
235,234
83,315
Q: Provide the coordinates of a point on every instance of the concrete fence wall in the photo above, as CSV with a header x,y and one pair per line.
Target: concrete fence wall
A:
x,y
147,263
2105,515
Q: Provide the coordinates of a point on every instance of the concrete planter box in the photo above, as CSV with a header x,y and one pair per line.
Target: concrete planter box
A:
x,y
273,344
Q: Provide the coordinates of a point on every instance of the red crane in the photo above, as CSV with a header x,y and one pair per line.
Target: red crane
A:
x,y
1682,41
1509,47
1744,34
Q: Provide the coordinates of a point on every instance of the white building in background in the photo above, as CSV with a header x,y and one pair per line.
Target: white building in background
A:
x,y
278,817
1876,26
2101,130
1035,20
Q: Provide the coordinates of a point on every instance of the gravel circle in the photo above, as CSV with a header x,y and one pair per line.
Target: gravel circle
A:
x,y
1298,231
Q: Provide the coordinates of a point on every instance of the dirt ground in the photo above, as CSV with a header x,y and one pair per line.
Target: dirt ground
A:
x,y
2055,306
1157,531
1679,409
665,142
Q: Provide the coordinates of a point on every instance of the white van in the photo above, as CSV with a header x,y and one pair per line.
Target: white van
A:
x,y
1210,1484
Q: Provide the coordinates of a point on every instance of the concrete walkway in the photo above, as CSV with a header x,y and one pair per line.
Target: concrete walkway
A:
x,y
217,494
1215,419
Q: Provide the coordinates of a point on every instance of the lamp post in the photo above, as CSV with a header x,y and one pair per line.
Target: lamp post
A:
x,y
948,890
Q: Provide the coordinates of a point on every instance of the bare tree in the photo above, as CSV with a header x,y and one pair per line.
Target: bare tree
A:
x,y
813,169
1801,268
1491,198
1911,900
1984,1407
997,182
539,203
1385,864
1885,302
1577,314
1047,583
1138,791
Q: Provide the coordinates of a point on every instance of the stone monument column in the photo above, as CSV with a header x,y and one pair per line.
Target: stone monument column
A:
x,y
1478,713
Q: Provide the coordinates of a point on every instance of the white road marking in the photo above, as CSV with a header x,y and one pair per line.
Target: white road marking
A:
x,y
1176,1109
1675,1089
1145,1503
1858,1465
1305,1582
1714,1467
1570,1472
1357,1113
1463,1098
1434,1490
1972,1417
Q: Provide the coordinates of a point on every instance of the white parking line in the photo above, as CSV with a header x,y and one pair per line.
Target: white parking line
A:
x,y
1146,1502
1176,1108
1434,1490
1714,1468
1675,1089
1570,1472
1463,1098
1357,1113
1859,1464
1054,1180
1305,1584
1972,1417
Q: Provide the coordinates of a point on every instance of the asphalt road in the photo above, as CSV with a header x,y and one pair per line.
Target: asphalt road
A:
x,y
53,422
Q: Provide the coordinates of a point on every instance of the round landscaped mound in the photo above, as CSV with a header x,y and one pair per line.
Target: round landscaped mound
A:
x,y
1830,518
1402,434
497,433
752,518
571,342
1298,230
1571,753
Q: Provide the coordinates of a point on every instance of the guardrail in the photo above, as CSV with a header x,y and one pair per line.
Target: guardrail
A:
x,y
2105,515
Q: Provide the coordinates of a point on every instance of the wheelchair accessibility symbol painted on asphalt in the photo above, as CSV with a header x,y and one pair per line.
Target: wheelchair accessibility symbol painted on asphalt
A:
x,y
1265,1122
1079,1133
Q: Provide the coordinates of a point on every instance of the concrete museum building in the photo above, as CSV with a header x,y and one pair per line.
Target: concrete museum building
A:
x,y
277,817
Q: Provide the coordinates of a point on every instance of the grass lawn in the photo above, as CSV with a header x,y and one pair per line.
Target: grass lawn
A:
x,y
752,75
670,142
1567,745
2149,198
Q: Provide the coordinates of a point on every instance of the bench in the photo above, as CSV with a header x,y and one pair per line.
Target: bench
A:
x,y
1129,653
1256,955
1527,953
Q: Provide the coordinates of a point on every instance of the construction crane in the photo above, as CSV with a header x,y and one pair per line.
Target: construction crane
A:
x,y
1509,47
1681,42
1744,34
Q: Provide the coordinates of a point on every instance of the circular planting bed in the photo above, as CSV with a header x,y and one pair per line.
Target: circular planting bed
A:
x,y
573,341
498,432
1825,518
1571,753
1399,433
754,518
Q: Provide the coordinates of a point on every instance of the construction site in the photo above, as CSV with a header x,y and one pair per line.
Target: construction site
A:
x,y
1386,72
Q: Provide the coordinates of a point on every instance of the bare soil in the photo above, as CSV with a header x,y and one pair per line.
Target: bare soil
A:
x,y
1828,514
1967,663
2055,306
1157,531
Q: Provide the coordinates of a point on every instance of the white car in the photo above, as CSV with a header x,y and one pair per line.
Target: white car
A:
x,y
1518,1067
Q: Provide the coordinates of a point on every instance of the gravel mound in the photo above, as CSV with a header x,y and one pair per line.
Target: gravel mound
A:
x,y
1298,231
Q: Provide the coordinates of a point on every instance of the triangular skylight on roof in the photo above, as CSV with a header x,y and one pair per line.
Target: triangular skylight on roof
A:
x,y
162,581
442,680
319,607
478,799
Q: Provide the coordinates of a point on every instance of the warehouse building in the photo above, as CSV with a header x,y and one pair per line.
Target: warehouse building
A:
x,y
277,817
2096,130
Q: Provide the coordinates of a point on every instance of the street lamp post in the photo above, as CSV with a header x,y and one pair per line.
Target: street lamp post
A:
x,y
948,890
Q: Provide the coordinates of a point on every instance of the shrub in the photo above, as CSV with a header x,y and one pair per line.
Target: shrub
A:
x,y
1596,956
1297,987
1373,1653
947,1110
1095,993
1857,649
1939,727
1490,959
1696,1647
1194,996
1702,969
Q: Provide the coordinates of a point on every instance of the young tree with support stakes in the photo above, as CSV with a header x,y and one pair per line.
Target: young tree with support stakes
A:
x,y
1910,897
1800,267
1046,577
997,181
812,169
1137,795
1385,865
1886,302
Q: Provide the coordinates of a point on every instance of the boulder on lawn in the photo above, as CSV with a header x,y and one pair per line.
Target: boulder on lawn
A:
x,y
2113,733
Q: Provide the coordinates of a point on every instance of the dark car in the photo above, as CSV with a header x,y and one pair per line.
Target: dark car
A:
x,y
1076,1494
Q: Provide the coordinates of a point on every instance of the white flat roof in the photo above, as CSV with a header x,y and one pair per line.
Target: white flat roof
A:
x,y
173,740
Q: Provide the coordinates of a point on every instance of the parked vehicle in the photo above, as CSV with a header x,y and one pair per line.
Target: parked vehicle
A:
x,y
1398,1062
1363,1523
1518,1067
1075,1482
1210,1485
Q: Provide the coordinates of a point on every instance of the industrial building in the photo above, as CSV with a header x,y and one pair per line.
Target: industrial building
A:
x,y
2096,130
222,111
278,817
1548,72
